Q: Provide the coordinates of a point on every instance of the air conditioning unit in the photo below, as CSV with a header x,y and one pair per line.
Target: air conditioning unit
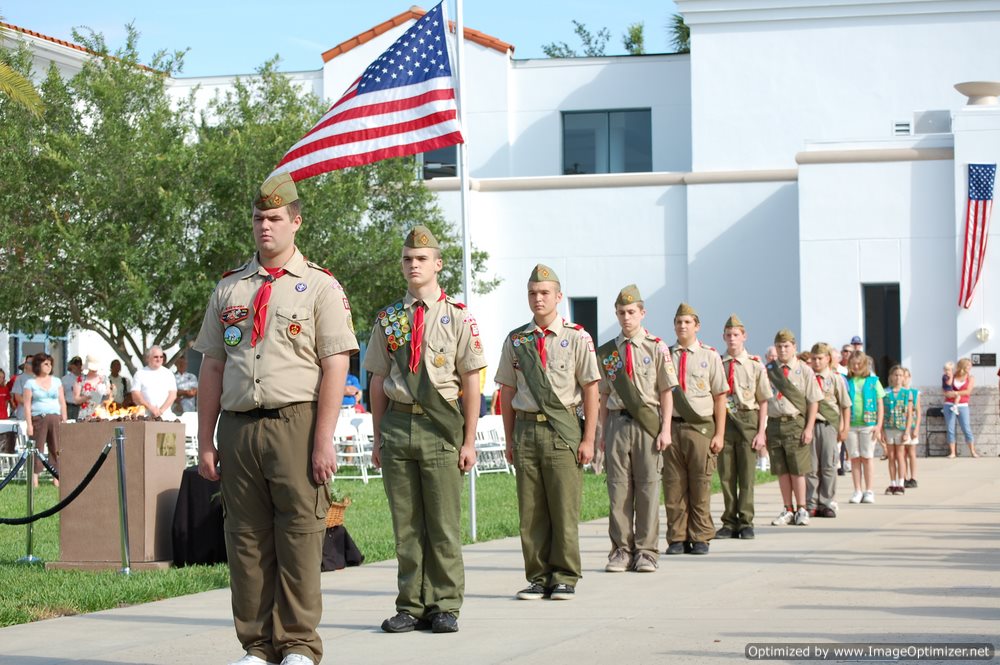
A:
x,y
901,128
932,122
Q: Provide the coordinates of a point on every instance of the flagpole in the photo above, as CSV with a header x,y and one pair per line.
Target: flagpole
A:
x,y
463,180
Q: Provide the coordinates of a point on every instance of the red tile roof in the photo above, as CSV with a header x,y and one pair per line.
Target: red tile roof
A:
x,y
412,14
38,35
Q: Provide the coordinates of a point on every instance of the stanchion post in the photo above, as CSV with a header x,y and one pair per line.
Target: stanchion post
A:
x,y
29,470
122,498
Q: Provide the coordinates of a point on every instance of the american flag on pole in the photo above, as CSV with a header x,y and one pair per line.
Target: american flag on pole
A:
x,y
403,104
977,226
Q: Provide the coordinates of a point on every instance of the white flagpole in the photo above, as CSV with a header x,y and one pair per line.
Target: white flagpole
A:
x,y
463,179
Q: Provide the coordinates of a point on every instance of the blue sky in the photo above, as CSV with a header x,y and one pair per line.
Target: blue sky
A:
x,y
235,37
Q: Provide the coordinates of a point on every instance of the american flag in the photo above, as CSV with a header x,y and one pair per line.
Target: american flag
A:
x,y
977,226
403,104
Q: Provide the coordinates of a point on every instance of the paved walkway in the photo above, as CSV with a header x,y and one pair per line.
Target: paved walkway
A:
x,y
922,567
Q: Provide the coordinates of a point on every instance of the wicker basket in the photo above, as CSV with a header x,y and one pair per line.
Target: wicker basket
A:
x,y
335,514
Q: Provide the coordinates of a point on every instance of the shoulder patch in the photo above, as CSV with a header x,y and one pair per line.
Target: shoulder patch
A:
x,y
236,270
707,347
456,303
577,326
757,358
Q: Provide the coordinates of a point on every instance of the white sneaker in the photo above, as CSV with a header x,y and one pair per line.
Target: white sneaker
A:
x,y
856,497
296,659
801,517
868,497
834,506
785,517
847,465
253,660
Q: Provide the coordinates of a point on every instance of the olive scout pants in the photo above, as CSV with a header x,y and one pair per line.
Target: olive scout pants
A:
x,y
549,493
424,486
633,466
738,469
688,465
275,524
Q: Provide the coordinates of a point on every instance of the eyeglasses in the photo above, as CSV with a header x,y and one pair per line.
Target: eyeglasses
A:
x,y
160,357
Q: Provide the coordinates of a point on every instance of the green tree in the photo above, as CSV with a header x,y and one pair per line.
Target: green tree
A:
x,y
633,40
18,88
680,34
593,44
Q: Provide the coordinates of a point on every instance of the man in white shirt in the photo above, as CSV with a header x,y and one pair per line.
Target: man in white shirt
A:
x,y
73,371
187,387
155,387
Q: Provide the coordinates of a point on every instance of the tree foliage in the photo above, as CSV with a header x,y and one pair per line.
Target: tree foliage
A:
x,y
18,88
121,206
593,44
633,40
680,34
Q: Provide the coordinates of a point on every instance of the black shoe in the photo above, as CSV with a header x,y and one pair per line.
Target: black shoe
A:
x,y
699,548
746,533
910,484
675,548
445,622
688,547
825,511
726,532
840,472
562,592
404,622
532,592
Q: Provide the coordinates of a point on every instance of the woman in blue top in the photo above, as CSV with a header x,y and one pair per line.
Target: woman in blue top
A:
x,y
44,409
867,412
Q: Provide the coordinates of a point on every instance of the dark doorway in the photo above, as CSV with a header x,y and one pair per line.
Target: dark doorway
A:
x,y
882,327
584,312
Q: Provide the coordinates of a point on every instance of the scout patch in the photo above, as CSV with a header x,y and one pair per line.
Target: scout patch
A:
x,y
300,287
647,360
232,336
475,330
564,343
337,285
477,346
445,320
439,360
294,329
347,305
235,314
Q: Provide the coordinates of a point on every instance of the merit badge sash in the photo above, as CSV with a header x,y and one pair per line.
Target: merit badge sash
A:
x,y
614,370
787,388
566,424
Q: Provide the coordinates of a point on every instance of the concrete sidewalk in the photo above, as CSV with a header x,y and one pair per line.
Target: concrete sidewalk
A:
x,y
923,567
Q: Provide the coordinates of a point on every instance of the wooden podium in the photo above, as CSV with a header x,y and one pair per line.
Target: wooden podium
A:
x,y
89,534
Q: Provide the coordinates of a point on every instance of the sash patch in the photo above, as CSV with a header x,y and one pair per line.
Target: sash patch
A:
x,y
235,314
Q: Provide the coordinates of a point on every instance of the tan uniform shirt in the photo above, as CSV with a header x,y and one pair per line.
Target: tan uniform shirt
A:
x,y
571,363
802,377
834,391
750,386
652,370
704,375
451,347
308,318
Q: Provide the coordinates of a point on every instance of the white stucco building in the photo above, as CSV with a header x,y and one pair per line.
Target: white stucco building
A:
x,y
805,166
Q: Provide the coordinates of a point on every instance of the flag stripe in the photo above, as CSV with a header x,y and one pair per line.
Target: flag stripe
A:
x,y
360,159
978,210
391,105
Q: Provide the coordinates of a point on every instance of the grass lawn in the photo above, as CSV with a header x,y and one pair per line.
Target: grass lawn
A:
x,y
31,593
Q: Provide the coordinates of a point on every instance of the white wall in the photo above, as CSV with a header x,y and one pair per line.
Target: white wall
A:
x,y
769,75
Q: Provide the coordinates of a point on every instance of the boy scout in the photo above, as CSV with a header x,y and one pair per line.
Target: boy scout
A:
x,y
547,368
833,419
791,419
636,407
699,426
746,419
424,352
277,338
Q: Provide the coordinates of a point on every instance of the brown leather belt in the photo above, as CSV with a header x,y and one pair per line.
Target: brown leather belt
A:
x,y
413,409
534,417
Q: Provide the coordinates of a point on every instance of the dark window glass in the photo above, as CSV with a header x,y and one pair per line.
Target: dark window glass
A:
x,y
607,142
440,163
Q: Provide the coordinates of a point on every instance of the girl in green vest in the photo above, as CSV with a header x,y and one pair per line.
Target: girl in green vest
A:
x,y
896,433
867,411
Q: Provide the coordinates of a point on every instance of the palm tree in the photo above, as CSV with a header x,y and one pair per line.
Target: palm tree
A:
x,y
680,34
19,89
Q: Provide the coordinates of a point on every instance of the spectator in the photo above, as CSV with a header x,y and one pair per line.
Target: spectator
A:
x,y
187,387
911,444
90,390
771,354
352,394
867,413
957,406
857,345
119,385
845,355
898,423
6,438
73,371
155,387
17,390
44,409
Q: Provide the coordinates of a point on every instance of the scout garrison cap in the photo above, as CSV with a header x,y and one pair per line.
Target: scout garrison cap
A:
x,y
543,273
784,335
628,295
734,322
421,237
685,309
276,192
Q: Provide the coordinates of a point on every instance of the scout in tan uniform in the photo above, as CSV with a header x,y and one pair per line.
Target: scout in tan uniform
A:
x,y
636,407
424,352
277,338
833,419
746,419
790,424
548,368
699,427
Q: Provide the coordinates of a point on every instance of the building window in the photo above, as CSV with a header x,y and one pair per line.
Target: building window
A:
x,y
440,163
583,311
607,142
